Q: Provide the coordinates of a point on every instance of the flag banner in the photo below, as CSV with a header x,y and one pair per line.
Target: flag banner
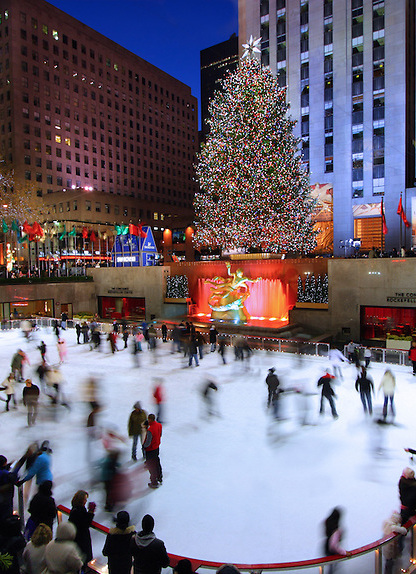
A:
x,y
121,229
400,211
62,235
383,217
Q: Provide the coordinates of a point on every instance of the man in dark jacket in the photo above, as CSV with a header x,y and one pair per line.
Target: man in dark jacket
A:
x,y
135,430
213,333
151,450
272,383
365,386
327,393
149,553
30,400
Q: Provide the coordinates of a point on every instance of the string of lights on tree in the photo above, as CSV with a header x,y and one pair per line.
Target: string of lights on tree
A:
x,y
313,289
177,287
253,191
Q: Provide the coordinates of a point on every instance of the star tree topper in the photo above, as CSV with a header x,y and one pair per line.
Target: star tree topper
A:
x,y
252,48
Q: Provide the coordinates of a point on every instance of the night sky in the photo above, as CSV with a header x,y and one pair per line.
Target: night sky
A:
x,y
167,33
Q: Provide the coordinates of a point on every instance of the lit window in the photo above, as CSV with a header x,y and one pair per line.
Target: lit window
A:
x,y
55,34
45,29
155,215
68,141
58,139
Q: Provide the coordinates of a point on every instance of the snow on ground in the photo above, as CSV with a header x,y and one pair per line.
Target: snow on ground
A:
x,y
238,487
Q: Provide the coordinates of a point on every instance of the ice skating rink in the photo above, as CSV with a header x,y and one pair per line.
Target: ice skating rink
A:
x,y
239,486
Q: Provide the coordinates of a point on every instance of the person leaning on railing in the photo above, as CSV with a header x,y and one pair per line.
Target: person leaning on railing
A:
x,y
149,553
407,492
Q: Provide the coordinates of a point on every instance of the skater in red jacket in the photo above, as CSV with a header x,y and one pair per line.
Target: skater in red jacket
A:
x,y
151,446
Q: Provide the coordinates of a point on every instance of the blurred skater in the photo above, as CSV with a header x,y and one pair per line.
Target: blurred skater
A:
x,y
272,383
327,393
333,535
62,350
8,386
135,427
365,386
388,386
208,389
336,359
159,398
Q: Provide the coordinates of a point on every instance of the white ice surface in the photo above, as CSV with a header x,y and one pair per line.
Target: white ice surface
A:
x,y
238,487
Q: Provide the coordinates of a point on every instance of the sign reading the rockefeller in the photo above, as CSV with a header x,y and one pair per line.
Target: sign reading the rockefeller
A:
x,y
402,298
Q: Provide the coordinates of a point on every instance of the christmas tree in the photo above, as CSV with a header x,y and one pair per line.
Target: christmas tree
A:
x,y
254,192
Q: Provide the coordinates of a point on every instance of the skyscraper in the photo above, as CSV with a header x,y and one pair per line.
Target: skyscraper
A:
x,y
349,67
216,62
79,111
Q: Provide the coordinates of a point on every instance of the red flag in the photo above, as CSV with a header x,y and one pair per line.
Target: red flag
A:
x,y
400,211
84,233
37,230
141,233
93,237
383,218
133,229
29,230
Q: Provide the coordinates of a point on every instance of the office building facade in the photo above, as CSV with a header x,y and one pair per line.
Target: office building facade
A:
x,y
79,112
216,62
349,68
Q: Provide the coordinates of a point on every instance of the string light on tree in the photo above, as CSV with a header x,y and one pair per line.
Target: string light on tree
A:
x,y
254,192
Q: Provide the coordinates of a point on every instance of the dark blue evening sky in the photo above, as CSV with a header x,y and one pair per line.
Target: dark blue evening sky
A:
x,y
167,33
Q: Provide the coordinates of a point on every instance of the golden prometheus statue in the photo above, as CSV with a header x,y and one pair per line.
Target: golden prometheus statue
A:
x,y
228,295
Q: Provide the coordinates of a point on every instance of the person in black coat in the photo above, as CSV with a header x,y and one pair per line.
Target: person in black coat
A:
x,y
117,545
272,383
365,386
327,393
81,518
213,333
42,508
407,493
149,553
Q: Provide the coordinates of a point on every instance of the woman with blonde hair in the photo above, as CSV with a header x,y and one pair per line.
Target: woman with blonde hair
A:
x,y
34,552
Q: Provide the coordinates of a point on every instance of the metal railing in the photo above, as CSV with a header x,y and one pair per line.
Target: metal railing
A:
x,y
294,346
381,355
375,548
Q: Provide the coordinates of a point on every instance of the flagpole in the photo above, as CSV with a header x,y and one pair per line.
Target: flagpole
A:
x,y
401,225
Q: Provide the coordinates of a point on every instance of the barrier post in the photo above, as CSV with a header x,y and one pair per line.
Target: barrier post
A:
x,y
20,503
378,561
